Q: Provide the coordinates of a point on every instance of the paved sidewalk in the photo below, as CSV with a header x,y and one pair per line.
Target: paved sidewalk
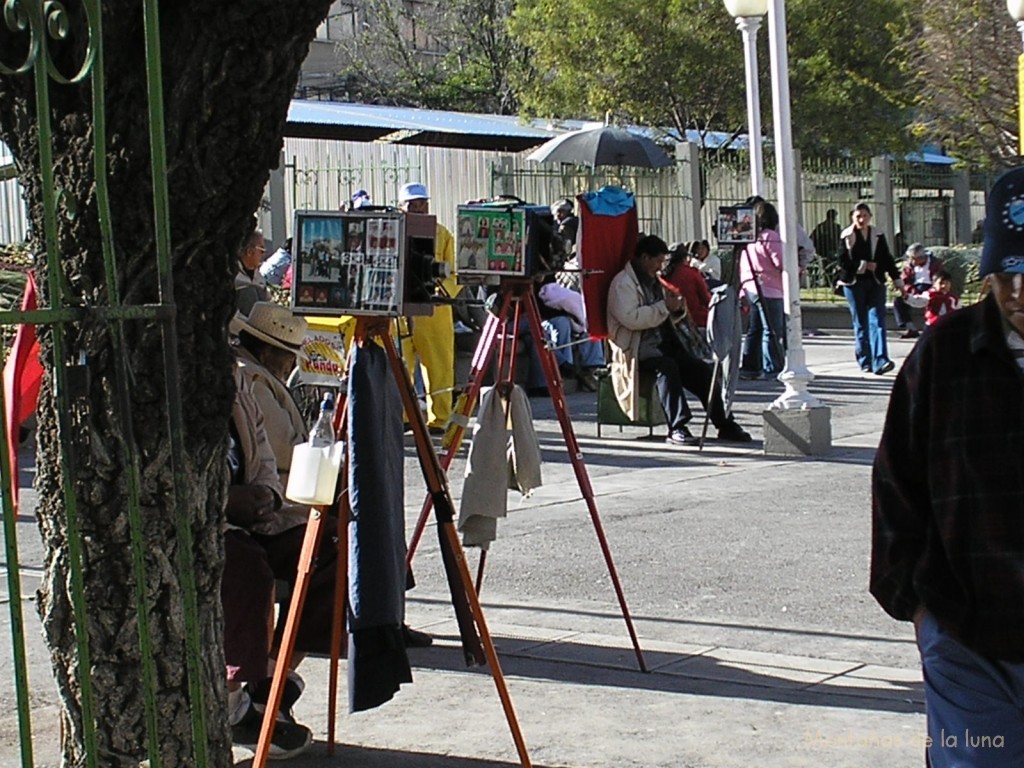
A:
x,y
746,579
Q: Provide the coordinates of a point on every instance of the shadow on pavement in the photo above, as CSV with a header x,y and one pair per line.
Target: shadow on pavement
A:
x,y
362,757
703,675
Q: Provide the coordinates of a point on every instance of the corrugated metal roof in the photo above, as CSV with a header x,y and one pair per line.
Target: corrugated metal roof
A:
x,y
407,125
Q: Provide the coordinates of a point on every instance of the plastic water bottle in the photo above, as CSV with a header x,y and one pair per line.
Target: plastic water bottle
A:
x,y
322,433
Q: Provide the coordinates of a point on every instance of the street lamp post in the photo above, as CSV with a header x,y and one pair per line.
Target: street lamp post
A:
x,y
796,422
1016,9
747,14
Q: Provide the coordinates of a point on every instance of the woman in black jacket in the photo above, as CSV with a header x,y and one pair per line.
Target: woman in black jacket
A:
x,y
864,261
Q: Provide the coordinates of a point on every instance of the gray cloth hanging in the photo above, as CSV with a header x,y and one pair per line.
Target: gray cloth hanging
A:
x,y
500,448
725,337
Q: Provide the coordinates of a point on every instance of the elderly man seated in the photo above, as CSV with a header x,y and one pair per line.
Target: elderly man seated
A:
x,y
918,275
643,338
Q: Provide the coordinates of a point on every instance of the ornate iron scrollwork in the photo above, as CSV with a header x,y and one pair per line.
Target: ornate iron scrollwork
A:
x,y
44,20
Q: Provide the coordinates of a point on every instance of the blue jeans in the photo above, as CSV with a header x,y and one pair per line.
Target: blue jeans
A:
x,y
558,333
760,352
975,705
866,298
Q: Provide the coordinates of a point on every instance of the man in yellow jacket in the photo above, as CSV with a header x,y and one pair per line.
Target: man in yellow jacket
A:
x,y
432,337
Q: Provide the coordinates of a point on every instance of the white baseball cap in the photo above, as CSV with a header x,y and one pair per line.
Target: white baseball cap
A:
x,y
412,191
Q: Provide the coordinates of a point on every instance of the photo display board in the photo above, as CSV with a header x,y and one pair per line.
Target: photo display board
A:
x,y
348,262
736,225
490,240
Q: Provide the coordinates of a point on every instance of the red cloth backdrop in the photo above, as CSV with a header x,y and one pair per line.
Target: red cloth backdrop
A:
x,y
605,244
23,374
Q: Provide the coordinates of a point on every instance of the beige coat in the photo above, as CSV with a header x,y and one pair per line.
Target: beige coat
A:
x,y
260,468
628,318
282,421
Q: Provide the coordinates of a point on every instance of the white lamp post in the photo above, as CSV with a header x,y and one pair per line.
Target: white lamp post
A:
x,y
1016,9
747,14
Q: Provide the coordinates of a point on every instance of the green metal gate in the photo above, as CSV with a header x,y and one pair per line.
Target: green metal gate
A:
x,y
37,22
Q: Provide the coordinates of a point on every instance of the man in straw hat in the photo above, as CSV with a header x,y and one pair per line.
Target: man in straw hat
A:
x,y
265,535
948,506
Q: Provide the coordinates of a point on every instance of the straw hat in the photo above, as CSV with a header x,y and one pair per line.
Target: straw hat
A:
x,y
274,324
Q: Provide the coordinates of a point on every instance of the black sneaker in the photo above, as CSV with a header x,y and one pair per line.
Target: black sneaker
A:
x,y
288,739
681,436
416,639
293,688
587,380
887,366
734,433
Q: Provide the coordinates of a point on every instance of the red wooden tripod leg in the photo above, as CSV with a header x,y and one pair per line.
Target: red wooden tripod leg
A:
x,y
284,654
437,483
554,381
481,360
338,621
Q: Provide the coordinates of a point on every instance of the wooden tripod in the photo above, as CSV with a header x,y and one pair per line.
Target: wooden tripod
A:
x,y
520,292
368,329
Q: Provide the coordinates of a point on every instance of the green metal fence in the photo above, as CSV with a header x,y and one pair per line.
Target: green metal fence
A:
x,y
38,22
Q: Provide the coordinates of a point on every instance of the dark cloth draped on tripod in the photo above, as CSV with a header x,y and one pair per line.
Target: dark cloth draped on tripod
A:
x,y
377,661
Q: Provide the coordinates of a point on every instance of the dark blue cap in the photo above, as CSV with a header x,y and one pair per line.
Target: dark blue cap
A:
x,y
1003,250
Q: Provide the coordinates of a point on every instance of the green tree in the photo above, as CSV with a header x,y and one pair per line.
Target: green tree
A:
x,y
680,64
676,64
849,88
229,71
441,55
962,59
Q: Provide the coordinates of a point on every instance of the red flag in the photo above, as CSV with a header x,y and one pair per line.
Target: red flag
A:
x,y
23,374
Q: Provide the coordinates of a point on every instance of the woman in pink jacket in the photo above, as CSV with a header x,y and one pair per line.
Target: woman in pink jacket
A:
x,y
761,280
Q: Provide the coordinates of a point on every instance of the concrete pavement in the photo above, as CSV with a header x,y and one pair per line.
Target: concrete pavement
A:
x,y
746,578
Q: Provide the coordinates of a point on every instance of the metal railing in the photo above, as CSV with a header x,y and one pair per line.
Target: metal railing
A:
x,y
40,22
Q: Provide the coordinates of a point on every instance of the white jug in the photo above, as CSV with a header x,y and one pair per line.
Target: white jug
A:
x,y
313,476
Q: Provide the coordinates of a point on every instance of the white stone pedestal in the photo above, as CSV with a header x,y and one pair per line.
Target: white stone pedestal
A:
x,y
797,431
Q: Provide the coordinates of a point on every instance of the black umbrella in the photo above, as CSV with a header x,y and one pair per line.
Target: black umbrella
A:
x,y
605,145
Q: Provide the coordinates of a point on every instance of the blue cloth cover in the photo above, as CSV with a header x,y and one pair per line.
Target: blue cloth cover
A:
x,y
609,201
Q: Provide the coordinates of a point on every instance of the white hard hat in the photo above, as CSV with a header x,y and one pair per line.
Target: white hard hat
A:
x,y
412,191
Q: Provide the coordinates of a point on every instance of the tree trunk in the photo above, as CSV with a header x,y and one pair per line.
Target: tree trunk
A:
x,y
229,70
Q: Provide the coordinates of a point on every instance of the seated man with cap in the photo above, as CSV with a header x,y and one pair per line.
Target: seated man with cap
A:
x,y
431,338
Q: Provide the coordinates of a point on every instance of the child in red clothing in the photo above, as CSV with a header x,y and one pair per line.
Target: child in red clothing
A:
x,y
941,299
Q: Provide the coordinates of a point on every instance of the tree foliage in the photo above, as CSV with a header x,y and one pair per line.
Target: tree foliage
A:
x,y
849,90
677,63
962,60
441,55
680,63
229,70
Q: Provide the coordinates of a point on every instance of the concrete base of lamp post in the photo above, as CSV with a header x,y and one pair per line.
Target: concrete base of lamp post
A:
x,y
797,431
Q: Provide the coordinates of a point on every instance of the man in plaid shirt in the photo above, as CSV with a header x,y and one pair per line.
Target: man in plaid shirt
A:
x,y
948,506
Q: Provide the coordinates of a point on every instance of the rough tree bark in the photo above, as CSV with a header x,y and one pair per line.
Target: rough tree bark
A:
x,y
229,70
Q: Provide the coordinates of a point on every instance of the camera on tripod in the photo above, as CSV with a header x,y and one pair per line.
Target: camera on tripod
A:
x,y
505,237
736,225
369,261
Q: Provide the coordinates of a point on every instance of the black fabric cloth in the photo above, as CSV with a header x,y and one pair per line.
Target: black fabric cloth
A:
x,y
948,486
377,661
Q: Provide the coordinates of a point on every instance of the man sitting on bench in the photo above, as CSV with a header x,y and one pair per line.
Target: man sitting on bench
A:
x,y
643,338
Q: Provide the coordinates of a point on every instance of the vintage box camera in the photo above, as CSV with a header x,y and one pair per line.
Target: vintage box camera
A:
x,y
364,262
503,238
